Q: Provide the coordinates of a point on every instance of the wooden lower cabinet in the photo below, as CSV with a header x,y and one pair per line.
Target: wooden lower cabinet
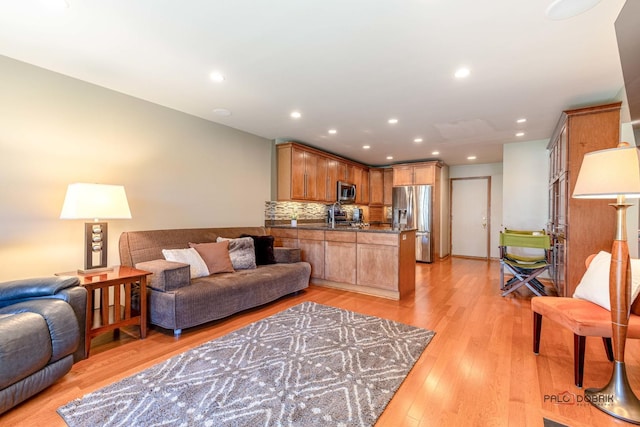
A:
x,y
340,256
311,244
374,268
375,263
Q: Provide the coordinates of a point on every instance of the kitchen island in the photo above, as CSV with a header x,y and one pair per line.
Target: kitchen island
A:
x,y
372,260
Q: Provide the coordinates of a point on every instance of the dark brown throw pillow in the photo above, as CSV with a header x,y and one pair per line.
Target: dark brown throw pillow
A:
x,y
263,246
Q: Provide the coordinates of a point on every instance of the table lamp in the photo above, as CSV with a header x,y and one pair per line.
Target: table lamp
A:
x,y
615,174
95,201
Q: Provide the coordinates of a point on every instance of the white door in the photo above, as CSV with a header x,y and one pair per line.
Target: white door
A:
x,y
470,217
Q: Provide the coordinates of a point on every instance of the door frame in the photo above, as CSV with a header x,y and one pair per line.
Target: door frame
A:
x,y
451,180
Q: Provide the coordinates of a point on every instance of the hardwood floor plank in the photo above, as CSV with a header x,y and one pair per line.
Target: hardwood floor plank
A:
x,y
479,369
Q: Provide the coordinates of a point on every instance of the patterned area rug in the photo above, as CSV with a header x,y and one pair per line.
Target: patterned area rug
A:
x,y
306,366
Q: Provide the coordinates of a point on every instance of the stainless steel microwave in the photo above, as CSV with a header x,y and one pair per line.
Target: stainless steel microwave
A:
x,y
346,192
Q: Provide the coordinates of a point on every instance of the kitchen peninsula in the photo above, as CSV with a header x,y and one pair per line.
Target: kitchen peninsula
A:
x,y
375,261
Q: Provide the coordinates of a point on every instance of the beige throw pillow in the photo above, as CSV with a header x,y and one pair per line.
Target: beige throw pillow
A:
x,y
188,256
215,255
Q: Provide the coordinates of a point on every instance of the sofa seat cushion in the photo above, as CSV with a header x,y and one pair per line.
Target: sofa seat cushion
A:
x,y
582,317
214,297
26,346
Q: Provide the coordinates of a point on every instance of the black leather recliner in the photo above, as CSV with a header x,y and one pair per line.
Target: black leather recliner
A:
x,y
42,333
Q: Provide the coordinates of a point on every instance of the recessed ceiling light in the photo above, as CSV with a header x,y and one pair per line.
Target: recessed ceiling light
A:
x,y
392,121
389,157
563,9
520,134
463,72
366,147
435,153
417,140
333,131
471,158
295,114
222,112
217,76
522,120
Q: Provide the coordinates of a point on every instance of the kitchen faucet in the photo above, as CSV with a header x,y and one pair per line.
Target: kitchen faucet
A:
x,y
332,213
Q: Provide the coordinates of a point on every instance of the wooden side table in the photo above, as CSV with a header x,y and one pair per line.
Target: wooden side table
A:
x,y
117,283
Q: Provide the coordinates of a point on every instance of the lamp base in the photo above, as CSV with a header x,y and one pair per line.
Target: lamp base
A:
x,y
616,398
90,271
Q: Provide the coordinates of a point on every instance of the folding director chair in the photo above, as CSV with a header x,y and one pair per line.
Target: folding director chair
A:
x,y
525,269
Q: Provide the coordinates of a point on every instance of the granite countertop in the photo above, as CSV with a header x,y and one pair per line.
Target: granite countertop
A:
x,y
373,228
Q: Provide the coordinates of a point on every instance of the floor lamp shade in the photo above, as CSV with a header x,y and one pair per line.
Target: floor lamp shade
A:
x,y
615,174
95,201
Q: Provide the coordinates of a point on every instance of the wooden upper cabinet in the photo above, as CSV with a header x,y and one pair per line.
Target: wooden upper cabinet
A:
x,y
376,187
388,187
307,174
415,173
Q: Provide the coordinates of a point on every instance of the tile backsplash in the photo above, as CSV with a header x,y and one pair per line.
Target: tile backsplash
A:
x,y
305,212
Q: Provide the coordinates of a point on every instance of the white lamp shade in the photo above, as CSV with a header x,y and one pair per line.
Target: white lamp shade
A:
x,y
95,201
607,174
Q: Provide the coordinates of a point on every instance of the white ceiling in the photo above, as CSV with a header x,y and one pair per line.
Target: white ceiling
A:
x,y
344,64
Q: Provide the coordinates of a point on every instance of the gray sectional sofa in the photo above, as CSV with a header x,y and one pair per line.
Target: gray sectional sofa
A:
x,y
177,301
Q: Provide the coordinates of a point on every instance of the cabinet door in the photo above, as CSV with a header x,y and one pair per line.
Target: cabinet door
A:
x,y
340,262
298,174
312,251
423,175
364,187
375,267
376,187
388,187
333,170
311,171
376,214
402,175
322,183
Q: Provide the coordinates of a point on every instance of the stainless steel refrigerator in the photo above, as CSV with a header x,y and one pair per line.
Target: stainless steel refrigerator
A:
x,y
412,208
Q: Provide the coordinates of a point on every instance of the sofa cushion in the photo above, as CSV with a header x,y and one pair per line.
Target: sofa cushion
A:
x,y
241,252
594,285
188,256
263,246
215,255
167,275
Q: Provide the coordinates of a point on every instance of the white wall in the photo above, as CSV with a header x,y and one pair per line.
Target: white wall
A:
x,y
178,170
494,170
526,185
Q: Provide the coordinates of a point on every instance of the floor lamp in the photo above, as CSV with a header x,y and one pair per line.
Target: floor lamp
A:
x,y
615,174
95,201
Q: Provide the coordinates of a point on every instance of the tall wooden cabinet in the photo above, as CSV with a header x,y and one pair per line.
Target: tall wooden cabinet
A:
x,y
578,227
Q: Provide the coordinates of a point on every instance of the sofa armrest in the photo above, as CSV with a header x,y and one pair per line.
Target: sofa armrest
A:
x,y
286,255
166,275
19,290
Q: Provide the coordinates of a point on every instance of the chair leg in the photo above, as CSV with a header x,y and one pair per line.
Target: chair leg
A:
x,y
578,358
537,328
608,348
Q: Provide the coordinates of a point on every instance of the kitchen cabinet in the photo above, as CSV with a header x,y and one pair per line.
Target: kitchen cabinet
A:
x,y
311,244
376,187
578,227
361,180
387,198
307,174
340,256
423,173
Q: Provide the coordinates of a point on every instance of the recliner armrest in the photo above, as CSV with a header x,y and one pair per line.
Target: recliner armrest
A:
x,y
18,290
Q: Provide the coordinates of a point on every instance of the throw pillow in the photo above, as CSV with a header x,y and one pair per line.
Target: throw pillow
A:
x,y
215,255
190,256
594,285
241,252
264,249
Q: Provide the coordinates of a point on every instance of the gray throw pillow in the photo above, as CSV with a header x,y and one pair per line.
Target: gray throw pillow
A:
x,y
242,252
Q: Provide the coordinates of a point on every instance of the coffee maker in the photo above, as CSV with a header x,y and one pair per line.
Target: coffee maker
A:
x,y
357,215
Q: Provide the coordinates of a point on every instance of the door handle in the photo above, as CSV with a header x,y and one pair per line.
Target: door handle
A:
x,y
484,222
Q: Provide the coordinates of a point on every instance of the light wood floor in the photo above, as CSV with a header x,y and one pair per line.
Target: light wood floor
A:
x,y
479,370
